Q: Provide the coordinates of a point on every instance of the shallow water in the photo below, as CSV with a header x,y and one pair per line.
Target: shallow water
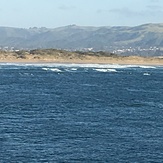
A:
x,y
81,113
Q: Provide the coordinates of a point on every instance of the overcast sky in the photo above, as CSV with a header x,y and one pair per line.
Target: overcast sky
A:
x,y
56,13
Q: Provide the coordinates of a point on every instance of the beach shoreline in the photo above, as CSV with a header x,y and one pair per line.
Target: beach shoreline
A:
x,y
60,56
113,61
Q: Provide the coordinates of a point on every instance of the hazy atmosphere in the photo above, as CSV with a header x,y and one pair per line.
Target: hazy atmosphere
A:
x,y
55,13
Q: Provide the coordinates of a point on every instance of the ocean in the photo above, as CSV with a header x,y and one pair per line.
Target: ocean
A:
x,y
81,113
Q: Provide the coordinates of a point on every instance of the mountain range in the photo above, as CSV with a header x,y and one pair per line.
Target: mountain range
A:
x,y
119,39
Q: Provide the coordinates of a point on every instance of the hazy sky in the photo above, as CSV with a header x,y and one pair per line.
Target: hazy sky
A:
x,y
55,13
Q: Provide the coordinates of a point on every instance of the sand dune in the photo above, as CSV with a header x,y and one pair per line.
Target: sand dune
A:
x,y
77,58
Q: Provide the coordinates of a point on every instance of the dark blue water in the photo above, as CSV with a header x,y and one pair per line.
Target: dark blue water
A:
x,y
81,113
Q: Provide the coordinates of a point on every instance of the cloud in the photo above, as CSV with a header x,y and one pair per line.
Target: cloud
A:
x,y
66,7
149,11
154,8
119,11
154,1
99,11
125,12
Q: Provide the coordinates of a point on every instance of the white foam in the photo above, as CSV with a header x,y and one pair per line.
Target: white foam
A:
x,y
70,65
146,66
70,69
104,66
46,69
52,69
55,69
74,65
105,70
73,69
146,74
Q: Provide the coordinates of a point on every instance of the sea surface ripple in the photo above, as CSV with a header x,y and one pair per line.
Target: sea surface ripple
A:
x,y
81,113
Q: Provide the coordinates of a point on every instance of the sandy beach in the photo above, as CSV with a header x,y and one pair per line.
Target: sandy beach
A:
x,y
92,60
68,57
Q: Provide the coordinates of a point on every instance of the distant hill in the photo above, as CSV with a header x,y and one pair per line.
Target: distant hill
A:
x,y
145,39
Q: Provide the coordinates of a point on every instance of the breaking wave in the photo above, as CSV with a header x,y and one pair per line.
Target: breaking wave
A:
x,y
74,67
105,70
52,69
146,74
146,66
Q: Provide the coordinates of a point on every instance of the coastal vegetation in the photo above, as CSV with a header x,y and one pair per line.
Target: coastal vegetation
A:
x,y
55,55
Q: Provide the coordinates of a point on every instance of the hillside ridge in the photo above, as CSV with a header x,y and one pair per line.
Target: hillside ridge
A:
x,y
144,40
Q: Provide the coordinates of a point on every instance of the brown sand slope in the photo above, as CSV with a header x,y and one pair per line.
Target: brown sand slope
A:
x,y
52,55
